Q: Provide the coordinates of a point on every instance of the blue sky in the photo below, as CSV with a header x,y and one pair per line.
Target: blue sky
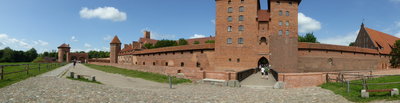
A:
x,y
90,24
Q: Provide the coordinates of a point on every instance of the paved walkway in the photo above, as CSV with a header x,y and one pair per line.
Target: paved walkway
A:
x,y
255,81
116,80
57,72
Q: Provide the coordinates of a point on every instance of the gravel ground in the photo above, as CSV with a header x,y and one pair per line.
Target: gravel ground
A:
x,y
52,89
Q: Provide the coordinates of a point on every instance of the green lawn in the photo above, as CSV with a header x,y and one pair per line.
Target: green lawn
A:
x,y
84,80
16,77
139,74
355,90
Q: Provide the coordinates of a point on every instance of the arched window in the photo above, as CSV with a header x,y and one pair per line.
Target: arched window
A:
x,y
182,64
241,9
280,13
197,64
278,2
154,63
290,3
166,63
280,23
287,23
230,10
240,41
241,1
287,13
230,59
144,63
263,40
229,28
241,28
280,32
230,19
229,41
241,18
229,1
287,32
238,60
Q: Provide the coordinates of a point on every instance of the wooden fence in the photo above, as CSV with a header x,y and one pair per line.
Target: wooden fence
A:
x,y
347,77
27,68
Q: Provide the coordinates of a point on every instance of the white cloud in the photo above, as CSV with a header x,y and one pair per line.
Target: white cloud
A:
x,y
106,48
106,13
197,36
41,43
73,39
87,45
107,38
213,21
155,35
308,24
396,1
344,40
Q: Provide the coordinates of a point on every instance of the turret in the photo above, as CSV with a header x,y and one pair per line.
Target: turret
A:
x,y
115,48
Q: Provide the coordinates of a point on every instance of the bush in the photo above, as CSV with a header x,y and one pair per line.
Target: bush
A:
x,y
182,42
39,60
210,41
165,43
196,42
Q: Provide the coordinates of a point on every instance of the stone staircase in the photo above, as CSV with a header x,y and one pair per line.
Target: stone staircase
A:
x,y
256,82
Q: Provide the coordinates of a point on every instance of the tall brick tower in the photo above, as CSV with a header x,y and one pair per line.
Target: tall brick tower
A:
x,y
115,48
245,34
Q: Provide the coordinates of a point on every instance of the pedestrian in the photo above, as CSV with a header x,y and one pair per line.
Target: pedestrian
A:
x,y
262,72
74,63
266,71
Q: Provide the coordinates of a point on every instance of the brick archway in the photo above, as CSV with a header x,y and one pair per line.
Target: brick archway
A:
x,y
263,61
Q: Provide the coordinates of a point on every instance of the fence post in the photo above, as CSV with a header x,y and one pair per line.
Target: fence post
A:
x,y
39,67
170,82
327,77
348,86
27,69
2,72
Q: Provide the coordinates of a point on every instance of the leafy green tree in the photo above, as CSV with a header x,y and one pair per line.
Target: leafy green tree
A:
x,y
148,46
8,55
1,54
45,54
395,53
196,42
31,54
182,42
309,37
165,43
352,44
98,54
210,41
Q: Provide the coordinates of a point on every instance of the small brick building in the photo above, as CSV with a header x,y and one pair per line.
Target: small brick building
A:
x,y
247,35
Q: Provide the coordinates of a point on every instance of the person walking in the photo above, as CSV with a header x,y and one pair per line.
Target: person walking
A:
x,y
266,71
74,63
262,72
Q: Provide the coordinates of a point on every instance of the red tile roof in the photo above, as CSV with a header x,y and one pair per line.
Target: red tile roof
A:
x,y
316,46
115,40
171,49
64,45
263,15
384,40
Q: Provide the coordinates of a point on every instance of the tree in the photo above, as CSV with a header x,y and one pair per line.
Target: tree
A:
x,y
196,42
309,37
210,41
8,55
45,54
148,46
99,54
31,55
165,43
182,42
352,44
395,53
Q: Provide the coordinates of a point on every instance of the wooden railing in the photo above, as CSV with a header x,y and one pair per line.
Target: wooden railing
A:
x,y
274,74
245,73
27,68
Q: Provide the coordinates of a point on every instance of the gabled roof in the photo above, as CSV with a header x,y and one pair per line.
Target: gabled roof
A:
x,y
63,46
115,40
381,39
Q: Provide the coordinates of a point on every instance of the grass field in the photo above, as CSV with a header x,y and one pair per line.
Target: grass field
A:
x,y
355,90
138,74
16,77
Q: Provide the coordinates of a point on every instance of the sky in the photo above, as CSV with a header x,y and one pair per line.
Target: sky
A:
x,y
91,24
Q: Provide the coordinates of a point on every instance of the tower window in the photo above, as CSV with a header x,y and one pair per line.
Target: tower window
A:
x,y
230,10
280,23
240,41
280,13
287,23
166,63
238,60
287,13
230,59
241,9
154,63
182,64
287,32
229,41
229,28
230,2
290,3
278,2
241,1
280,32
144,63
241,18
241,28
230,19
197,64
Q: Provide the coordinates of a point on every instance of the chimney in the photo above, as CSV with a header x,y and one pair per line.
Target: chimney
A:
x,y
147,34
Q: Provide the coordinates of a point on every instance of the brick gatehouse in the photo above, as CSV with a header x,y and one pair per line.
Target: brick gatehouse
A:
x,y
246,35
